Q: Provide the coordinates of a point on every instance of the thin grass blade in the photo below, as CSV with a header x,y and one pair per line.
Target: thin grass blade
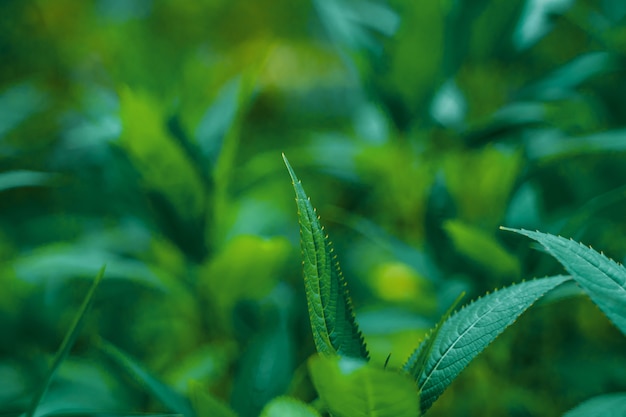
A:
x,y
66,345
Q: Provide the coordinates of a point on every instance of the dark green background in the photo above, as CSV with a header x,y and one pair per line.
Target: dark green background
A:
x,y
147,135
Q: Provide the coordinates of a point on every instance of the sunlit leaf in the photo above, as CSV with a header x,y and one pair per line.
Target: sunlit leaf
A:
x,y
156,155
330,309
351,387
288,407
603,279
466,333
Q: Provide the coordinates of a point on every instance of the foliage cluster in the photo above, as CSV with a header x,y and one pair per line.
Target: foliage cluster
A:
x,y
146,135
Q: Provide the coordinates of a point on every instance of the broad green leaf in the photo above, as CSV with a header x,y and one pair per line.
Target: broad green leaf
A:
x,y
241,259
156,155
330,309
288,407
351,387
66,345
170,398
609,405
494,172
482,248
465,334
205,405
417,361
603,279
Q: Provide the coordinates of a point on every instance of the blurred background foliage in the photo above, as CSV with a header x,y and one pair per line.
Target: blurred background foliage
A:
x,y
146,134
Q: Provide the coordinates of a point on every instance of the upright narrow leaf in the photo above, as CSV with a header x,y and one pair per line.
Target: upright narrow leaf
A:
x,y
66,345
330,309
603,279
466,333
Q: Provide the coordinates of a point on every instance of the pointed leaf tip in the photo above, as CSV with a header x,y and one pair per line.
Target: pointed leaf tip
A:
x,y
334,326
603,279
466,333
292,174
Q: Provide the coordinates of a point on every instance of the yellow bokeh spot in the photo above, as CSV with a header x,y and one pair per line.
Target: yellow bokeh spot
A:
x,y
395,281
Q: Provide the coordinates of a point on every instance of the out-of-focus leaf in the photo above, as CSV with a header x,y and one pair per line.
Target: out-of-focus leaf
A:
x,y
466,333
205,405
22,178
217,121
83,387
602,278
157,156
207,364
570,76
351,387
66,345
347,22
610,405
480,183
335,330
482,248
384,242
247,268
409,81
266,367
17,103
288,407
162,392
60,262
554,145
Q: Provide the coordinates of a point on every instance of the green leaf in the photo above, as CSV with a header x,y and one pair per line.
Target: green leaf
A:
x,y
334,327
482,248
351,387
603,279
66,345
170,398
24,178
466,333
609,405
417,361
288,407
205,405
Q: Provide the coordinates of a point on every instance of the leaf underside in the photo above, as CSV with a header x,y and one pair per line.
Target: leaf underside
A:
x,y
603,279
335,330
467,333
